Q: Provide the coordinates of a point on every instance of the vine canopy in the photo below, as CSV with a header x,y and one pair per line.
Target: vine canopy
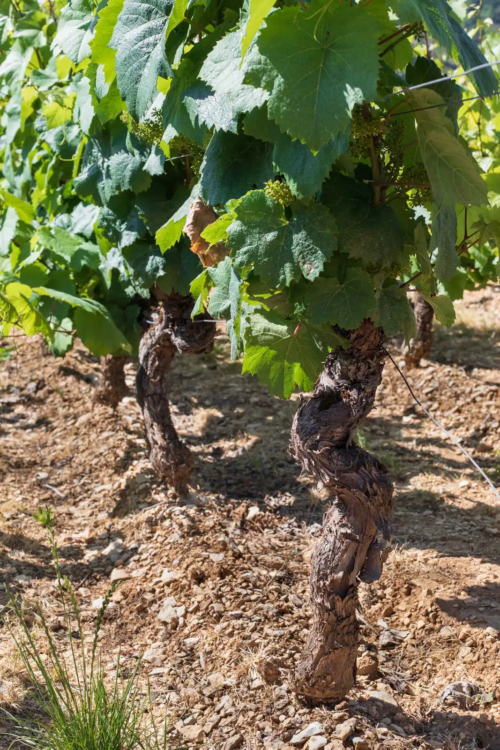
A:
x,y
301,166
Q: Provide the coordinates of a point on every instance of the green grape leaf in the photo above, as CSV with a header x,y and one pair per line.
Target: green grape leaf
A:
x,y
453,173
277,248
17,309
436,14
61,342
284,354
444,238
422,70
370,233
310,61
24,211
176,116
8,228
74,31
83,218
443,308
102,54
171,232
304,171
344,304
394,313
224,72
93,323
181,267
224,300
257,12
139,41
258,125
217,232
112,162
470,56
233,164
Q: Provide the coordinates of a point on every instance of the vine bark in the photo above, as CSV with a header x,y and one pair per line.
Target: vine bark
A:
x,y
112,387
356,527
172,332
420,347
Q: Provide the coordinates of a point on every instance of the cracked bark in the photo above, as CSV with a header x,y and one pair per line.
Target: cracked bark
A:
x,y
420,347
112,387
353,545
172,332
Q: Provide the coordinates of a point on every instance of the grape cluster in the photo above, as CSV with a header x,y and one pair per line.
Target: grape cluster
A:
x,y
393,138
150,131
180,145
417,174
279,192
362,133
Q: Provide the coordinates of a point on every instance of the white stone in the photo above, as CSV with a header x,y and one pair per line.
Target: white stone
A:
x,y
316,742
169,575
119,574
305,734
253,511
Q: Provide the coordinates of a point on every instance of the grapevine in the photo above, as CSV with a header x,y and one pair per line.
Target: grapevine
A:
x,y
321,167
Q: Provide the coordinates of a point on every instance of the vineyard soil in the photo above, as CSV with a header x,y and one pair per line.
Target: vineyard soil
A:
x,y
227,569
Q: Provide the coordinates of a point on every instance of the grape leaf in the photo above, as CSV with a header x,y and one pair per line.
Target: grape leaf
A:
x,y
257,12
225,298
228,96
112,162
280,249
25,211
233,164
311,62
344,304
181,267
371,233
74,30
470,56
422,70
139,41
304,171
93,322
171,231
394,312
444,238
443,308
283,354
102,54
453,174
436,15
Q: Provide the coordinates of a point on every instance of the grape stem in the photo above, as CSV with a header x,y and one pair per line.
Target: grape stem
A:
x,y
396,33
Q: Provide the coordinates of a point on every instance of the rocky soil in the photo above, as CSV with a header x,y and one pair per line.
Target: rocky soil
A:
x,y
214,590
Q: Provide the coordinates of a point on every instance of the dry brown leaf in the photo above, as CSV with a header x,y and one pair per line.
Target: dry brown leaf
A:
x,y
200,216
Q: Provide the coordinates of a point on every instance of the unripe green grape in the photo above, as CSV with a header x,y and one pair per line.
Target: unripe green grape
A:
x,y
279,192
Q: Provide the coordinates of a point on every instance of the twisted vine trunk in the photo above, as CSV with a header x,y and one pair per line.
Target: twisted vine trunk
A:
x,y
353,545
420,347
172,331
112,387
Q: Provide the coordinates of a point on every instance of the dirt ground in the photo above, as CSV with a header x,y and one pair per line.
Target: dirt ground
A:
x,y
227,570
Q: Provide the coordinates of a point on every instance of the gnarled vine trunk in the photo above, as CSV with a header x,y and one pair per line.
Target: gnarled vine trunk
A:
x,y
420,347
353,545
112,387
172,331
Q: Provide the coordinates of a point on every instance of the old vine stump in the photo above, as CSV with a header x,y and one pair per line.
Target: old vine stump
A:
x,y
353,545
112,387
172,332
